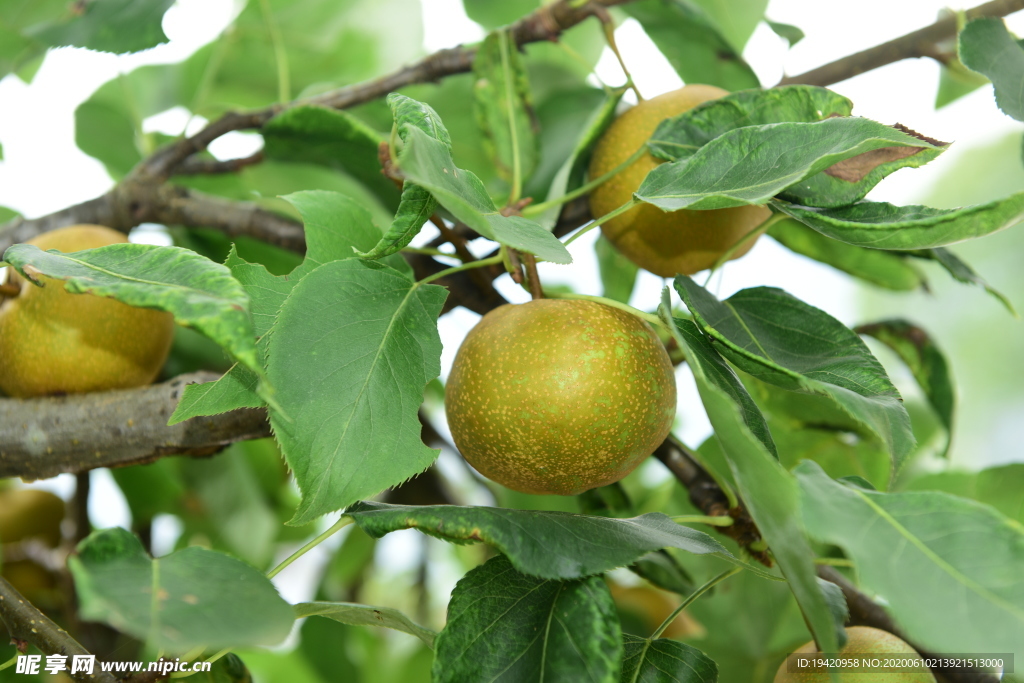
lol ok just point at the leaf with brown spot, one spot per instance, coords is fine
(206, 598)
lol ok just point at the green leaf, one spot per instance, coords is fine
(722, 377)
(354, 346)
(571, 173)
(409, 113)
(682, 136)
(199, 293)
(663, 570)
(18, 48)
(190, 598)
(506, 627)
(664, 661)
(751, 165)
(110, 26)
(813, 427)
(880, 225)
(783, 341)
(788, 32)
(335, 226)
(7, 214)
(504, 107)
(693, 43)
(882, 268)
(563, 118)
(836, 603)
(417, 204)
(325, 45)
(226, 504)
(1001, 487)
(926, 362)
(737, 18)
(961, 272)
(428, 163)
(236, 389)
(769, 491)
(331, 138)
(987, 47)
(955, 81)
(491, 14)
(551, 545)
(922, 545)
(365, 615)
(618, 273)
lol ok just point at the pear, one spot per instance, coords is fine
(53, 342)
(559, 396)
(665, 243)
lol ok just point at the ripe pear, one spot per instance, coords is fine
(863, 640)
(55, 342)
(30, 514)
(665, 243)
(559, 396)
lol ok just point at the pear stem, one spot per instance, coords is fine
(9, 291)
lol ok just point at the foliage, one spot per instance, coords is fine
(815, 457)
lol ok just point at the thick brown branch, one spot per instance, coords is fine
(100, 211)
(43, 437)
(866, 612)
(920, 43)
(27, 624)
(134, 202)
(178, 206)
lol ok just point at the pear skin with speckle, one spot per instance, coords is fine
(869, 643)
(54, 342)
(664, 242)
(559, 396)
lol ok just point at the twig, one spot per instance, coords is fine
(514, 266)
(866, 612)
(196, 166)
(546, 23)
(80, 508)
(27, 624)
(920, 43)
(708, 497)
(43, 437)
(533, 277)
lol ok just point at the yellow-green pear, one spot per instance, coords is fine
(53, 342)
(559, 396)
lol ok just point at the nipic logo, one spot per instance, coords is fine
(32, 664)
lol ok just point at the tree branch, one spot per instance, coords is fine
(546, 23)
(43, 437)
(132, 203)
(197, 166)
(26, 624)
(866, 612)
(920, 43)
(708, 497)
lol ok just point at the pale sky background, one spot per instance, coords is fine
(43, 170)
